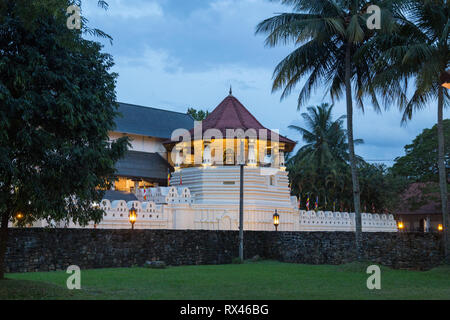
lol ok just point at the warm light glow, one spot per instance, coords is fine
(401, 225)
(132, 215)
(276, 219)
(440, 227)
(19, 216)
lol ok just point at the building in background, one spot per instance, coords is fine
(419, 208)
(204, 189)
(146, 163)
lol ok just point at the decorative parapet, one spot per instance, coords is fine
(209, 218)
(174, 208)
(170, 195)
(344, 221)
(149, 214)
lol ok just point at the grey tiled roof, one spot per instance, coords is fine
(113, 195)
(150, 122)
(143, 165)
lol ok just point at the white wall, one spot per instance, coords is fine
(142, 143)
(220, 186)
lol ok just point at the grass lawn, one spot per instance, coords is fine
(258, 280)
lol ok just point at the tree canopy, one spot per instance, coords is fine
(197, 115)
(57, 98)
(420, 162)
(320, 168)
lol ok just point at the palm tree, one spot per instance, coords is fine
(322, 163)
(325, 139)
(329, 35)
(419, 50)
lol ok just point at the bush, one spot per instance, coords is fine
(155, 264)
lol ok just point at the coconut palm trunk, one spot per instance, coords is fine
(351, 149)
(442, 173)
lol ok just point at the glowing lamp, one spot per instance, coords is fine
(132, 216)
(276, 220)
(19, 216)
(440, 227)
(400, 225)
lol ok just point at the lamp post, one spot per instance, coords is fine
(276, 220)
(132, 216)
(241, 201)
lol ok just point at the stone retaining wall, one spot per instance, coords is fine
(55, 249)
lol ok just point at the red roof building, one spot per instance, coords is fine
(420, 206)
(231, 114)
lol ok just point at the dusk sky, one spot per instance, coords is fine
(174, 54)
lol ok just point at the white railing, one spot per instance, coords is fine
(175, 208)
(344, 221)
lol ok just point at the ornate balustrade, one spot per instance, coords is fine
(175, 208)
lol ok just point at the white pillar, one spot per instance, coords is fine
(207, 155)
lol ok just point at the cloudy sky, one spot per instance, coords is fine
(176, 54)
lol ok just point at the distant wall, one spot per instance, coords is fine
(56, 249)
(398, 250)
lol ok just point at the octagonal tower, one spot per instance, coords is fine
(207, 158)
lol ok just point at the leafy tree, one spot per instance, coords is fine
(419, 49)
(57, 100)
(198, 115)
(320, 167)
(420, 162)
(330, 35)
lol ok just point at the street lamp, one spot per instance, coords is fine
(132, 216)
(19, 216)
(400, 225)
(440, 227)
(241, 199)
(276, 220)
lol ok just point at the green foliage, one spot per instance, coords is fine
(418, 48)
(321, 30)
(320, 168)
(198, 115)
(420, 162)
(57, 100)
(236, 260)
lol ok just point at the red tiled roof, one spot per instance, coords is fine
(231, 114)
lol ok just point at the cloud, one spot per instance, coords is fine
(200, 48)
(127, 10)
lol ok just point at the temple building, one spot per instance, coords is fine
(208, 162)
(203, 191)
(146, 163)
